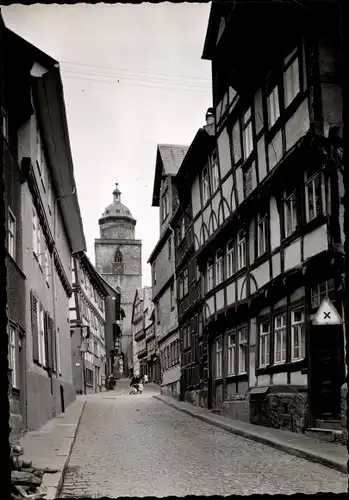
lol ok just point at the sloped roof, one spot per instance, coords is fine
(172, 157)
(169, 158)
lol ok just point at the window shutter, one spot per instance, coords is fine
(47, 340)
(53, 337)
(35, 328)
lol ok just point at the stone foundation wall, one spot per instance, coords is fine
(172, 390)
(197, 397)
(344, 392)
(237, 407)
(287, 411)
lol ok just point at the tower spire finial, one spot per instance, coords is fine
(116, 192)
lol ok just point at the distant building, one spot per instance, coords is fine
(119, 261)
(193, 341)
(141, 321)
(88, 326)
(44, 230)
(162, 261)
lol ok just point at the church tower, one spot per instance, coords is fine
(119, 260)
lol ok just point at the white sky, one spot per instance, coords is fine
(133, 77)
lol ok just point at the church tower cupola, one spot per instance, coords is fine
(117, 194)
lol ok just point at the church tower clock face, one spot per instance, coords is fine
(119, 260)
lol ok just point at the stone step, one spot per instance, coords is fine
(329, 424)
(329, 435)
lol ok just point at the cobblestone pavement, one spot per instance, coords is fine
(135, 445)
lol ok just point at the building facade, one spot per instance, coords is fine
(193, 338)
(268, 216)
(45, 222)
(141, 321)
(88, 326)
(162, 261)
(119, 261)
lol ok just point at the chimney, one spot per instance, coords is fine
(209, 116)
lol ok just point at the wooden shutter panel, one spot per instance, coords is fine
(35, 328)
(46, 339)
(49, 343)
(54, 346)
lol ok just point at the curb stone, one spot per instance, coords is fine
(274, 442)
(54, 482)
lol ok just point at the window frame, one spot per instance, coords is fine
(12, 356)
(262, 230)
(219, 358)
(229, 257)
(219, 267)
(302, 334)
(205, 186)
(273, 105)
(11, 233)
(242, 344)
(310, 179)
(209, 275)
(232, 353)
(266, 336)
(169, 248)
(241, 243)
(276, 331)
(247, 133)
(290, 207)
(172, 298)
(215, 180)
(288, 62)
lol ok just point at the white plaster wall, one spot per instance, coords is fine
(293, 255)
(315, 242)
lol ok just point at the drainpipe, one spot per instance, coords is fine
(58, 198)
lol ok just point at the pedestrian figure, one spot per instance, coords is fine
(136, 380)
(145, 378)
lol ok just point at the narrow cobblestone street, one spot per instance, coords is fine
(136, 445)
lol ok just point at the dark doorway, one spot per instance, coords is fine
(62, 398)
(326, 371)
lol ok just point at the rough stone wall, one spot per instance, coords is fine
(173, 390)
(286, 411)
(118, 230)
(197, 397)
(237, 407)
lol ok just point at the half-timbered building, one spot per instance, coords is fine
(162, 261)
(267, 214)
(193, 342)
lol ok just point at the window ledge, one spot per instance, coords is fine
(288, 367)
(240, 377)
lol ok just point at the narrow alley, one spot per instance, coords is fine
(138, 446)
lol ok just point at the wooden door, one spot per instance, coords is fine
(326, 371)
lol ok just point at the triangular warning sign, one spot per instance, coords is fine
(327, 314)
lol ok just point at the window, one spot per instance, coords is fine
(4, 123)
(273, 106)
(12, 357)
(290, 213)
(280, 338)
(262, 234)
(169, 248)
(35, 230)
(154, 274)
(11, 234)
(314, 196)
(219, 355)
(241, 249)
(291, 81)
(185, 282)
(118, 256)
(209, 276)
(319, 292)
(229, 257)
(297, 334)
(165, 206)
(158, 313)
(172, 299)
(182, 228)
(219, 267)
(242, 334)
(231, 353)
(42, 353)
(215, 174)
(38, 244)
(247, 135)
(46, 266)
(205, 186)
(264, 339)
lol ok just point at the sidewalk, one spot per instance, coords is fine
(314, 450)
(51, 445)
